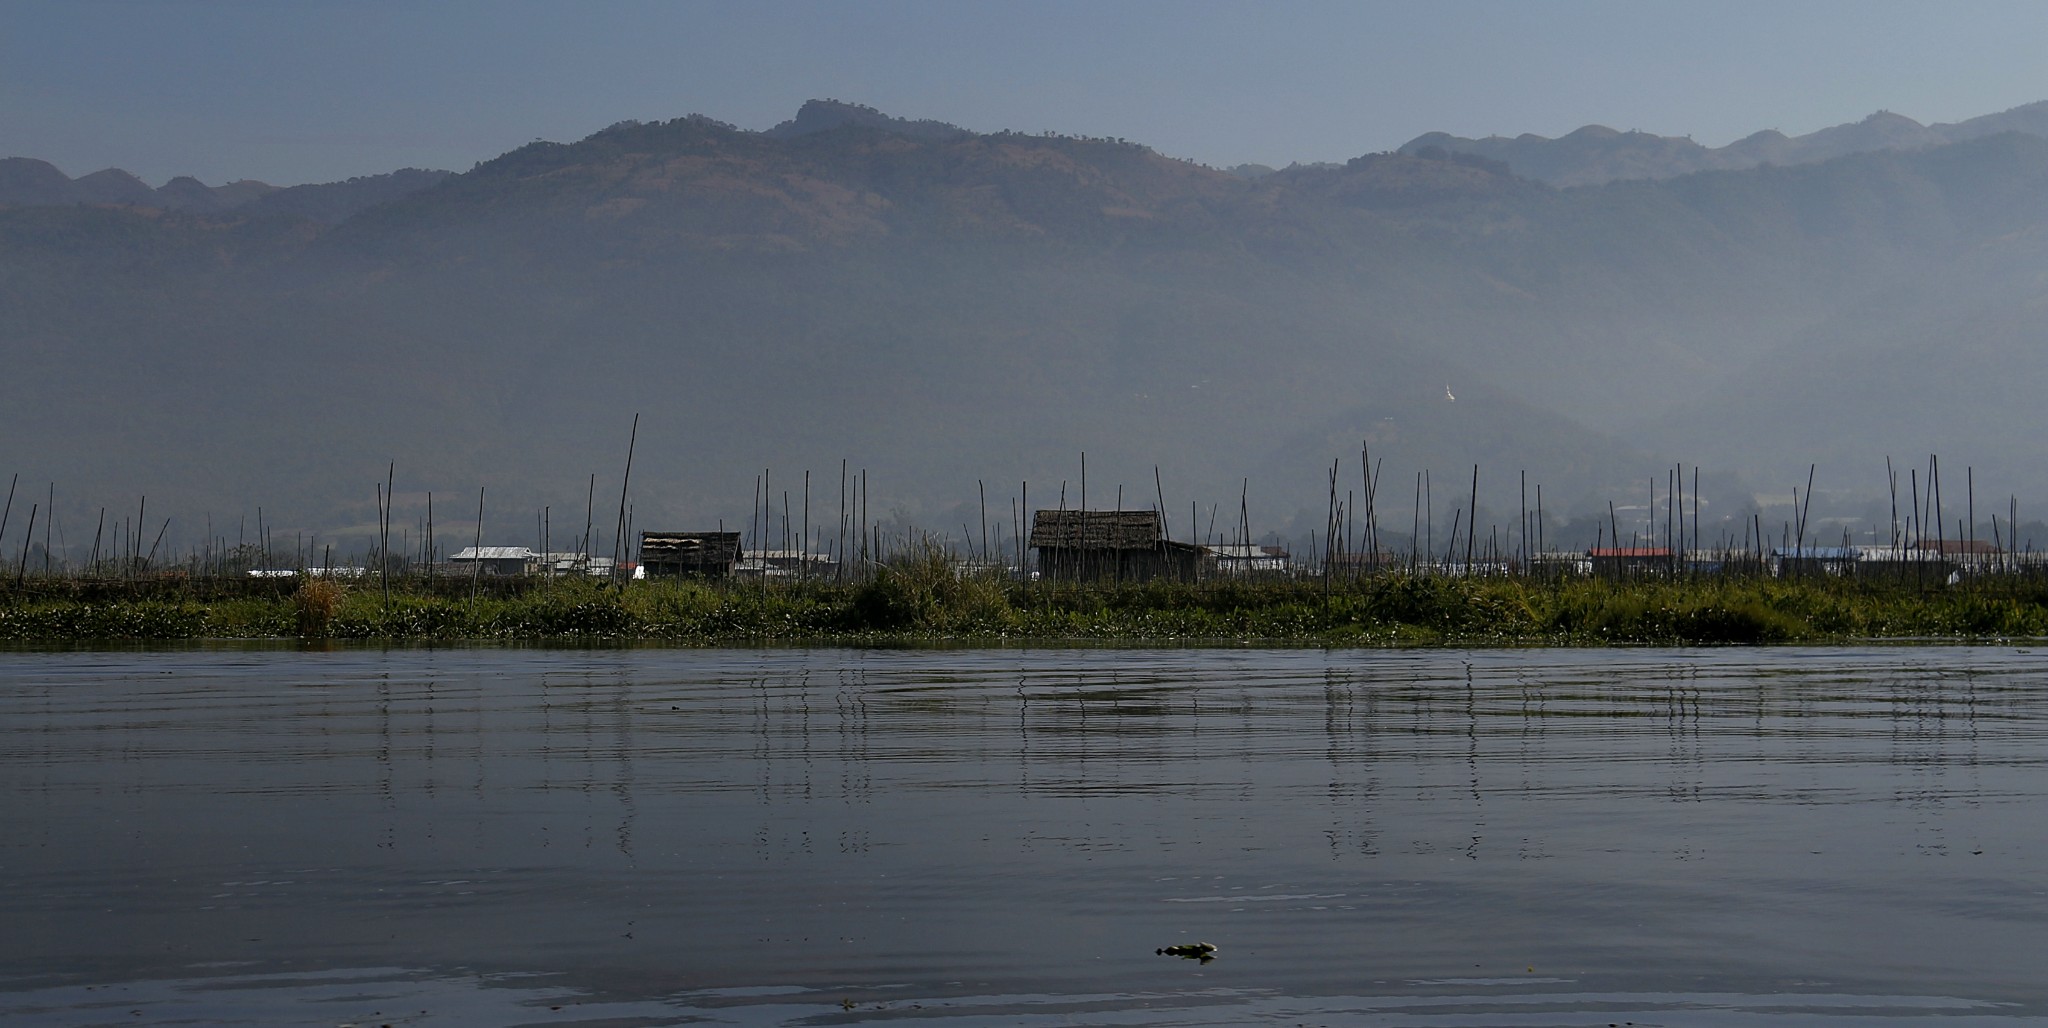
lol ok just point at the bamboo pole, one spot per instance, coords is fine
(1472, 520)
(146, 561)
(626, 481)
(476, 563)
(21, 572)
(9, 510)
(1415, 526)
(1892, 481)
(1159, 493)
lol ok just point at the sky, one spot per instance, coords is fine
(310, 91)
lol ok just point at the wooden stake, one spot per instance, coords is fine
(9, 510)
(618, 536)
(476, 563)
(26, 537)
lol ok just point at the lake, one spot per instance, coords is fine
(499, 836)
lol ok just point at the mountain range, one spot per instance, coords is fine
(27, 182)
(1596, 154)
(959, 313)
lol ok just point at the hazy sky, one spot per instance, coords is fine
(294, 90)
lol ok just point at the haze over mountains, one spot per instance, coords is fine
(27, 182)
(1596, 154)
(943, 307)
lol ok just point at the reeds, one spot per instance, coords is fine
(314, 604)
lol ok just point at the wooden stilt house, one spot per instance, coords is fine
(1109, 546)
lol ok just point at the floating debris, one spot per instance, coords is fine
(1202, 951)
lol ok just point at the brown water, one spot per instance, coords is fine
(642, 837)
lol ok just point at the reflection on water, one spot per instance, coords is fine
(380, 996)
(649, 837)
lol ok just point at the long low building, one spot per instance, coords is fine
(494, 560)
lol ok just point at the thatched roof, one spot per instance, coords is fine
(1096, 530)
(689, 547)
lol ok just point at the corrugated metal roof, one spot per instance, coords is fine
(1959, 546)
(493, 553)
(1628, 551)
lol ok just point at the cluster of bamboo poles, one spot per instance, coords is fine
(1353, 541)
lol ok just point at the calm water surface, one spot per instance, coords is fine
(652, 837)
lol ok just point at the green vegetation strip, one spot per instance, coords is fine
(927, 602)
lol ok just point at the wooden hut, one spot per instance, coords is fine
(695, 554)
(1109, 545)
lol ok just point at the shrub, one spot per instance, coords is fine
(315, 603)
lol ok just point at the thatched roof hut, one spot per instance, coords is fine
(1096, 529)
(1118, 545)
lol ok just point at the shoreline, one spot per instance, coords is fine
(914, 608)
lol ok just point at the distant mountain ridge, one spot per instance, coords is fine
(825, 115)
(943, 307)
(28, 182)
(1597, 154)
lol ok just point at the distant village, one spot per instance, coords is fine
(1131, 546)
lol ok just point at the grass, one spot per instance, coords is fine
(922, 599)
